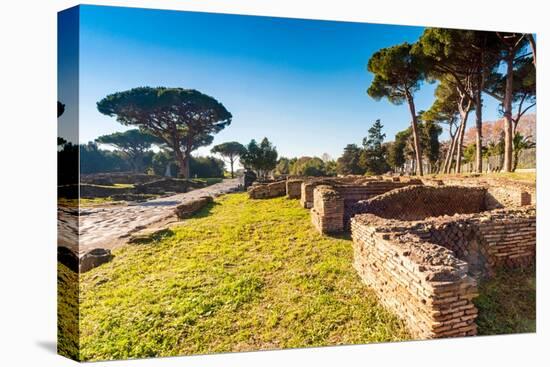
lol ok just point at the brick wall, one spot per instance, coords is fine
(488, 241)
(294, 188)
(306, 194)
(419, 202)
(423, 283)
(501, 197)
(426, 270)
(334, 215)
(327, 214)
(268, 190)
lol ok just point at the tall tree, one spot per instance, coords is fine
(134, 143)
(523, 95)
(466, 56)
(261, 158)
(430, 132)
(511, 45)
(451, 103)
(176, 115)
(373, 157)
(231, 150)
(398, 74)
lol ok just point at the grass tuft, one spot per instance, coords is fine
(507, 303)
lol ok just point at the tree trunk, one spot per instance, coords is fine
(479, 122)
(460, 140)
(231, 161)
(416, 138)
(450, 154)
(507, 106)
(183, 162)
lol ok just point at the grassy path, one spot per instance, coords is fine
(242, 275)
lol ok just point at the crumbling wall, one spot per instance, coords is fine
(327, 214)
(419, 202)
(502, 197)
(422, 282)
(336, 216)
(487, 241)
(306, 194)
(267, 190)
(294, 188)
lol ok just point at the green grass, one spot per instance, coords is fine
(122, 186)
(67, 312)
(516, 176)
(247, 275)
(507, 303)
(242, 275)
(209, 180)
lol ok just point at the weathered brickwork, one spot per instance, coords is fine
(502, 197)
(294, 188)
(423, 283)
(306, 195)
(419, 202)
(327, 214)
(424, 267)
(267, 190)
(336, 216)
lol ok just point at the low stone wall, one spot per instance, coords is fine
(186, 210)
(327, 214)
(488, 241)
(337, 216)
(423, 283)
(505, 192)
(306, 191)
(111, 178)
(294, 188)
(168, 185)
(419, 202)
(266, 191)
(96, 191)
(501, 197)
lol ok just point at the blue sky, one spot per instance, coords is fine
(301, 83)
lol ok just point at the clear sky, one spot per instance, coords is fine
(301, 83)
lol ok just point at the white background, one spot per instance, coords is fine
(28, 182)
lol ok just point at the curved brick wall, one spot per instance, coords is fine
(419, 202)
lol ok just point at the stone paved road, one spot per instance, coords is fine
(106, 227)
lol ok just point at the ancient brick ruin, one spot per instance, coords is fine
(422, 245)
(267, 190)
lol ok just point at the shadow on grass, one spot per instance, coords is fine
(507, 303)
(152, 237)
(340, 236)
(205, 211)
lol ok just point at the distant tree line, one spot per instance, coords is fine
(93, 159)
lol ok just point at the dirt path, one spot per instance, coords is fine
(108, 227)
